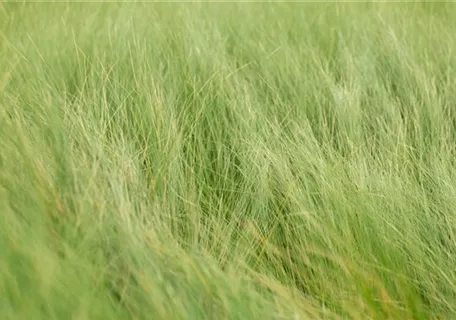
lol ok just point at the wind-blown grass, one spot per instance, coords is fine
(227, 161)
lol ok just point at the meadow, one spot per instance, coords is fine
(227, 160)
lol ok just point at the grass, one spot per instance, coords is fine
(227, 161)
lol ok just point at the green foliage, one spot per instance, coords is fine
(227, 161)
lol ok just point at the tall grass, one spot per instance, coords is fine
(227, 161)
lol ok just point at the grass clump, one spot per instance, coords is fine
(227, 161)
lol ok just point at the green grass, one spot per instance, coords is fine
(227, 161)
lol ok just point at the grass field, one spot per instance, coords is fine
(227, 161)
